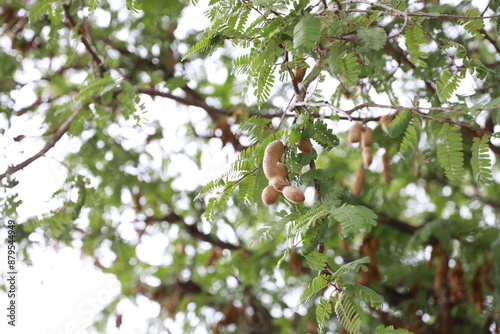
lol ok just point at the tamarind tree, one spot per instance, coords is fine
(399, 229)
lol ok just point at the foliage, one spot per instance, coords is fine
(415, 38)
(399, 124)
(148, 100)
(480, 161)
(409, 145)
(450, 152)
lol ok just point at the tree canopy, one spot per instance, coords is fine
(399, 230)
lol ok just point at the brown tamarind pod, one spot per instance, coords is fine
(272, 155)
(359, 182)
(354, 135)
(366, 137)
(367, 156)
(278, 183)
(386, 172)
(385, 121)
(270, 195)
(305, 145)
(282, 170)
(293, 194)
(299, 75)
(170, 61)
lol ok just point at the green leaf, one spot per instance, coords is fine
(372, 38)
(409, 145)
(480, 161)
(365, 293)
(274, 28)
(353, 219)
(317, 284)
(415, 38)
(323, 312)
(355, 266)
(348, 314)
(204, 45)
(39, 8)
(314, 235)
(271, 230)
(324, 136)
(475, 26)
(317, 261)
(399, 124)
(264, 84)
(242, 64)
(306, 33)
(345, 66)
(97, 88)
(450, 154)
(448, 83)
(311, 216)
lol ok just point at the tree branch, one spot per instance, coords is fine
(50, 143)
(190, 102)
(414, 109)
(401, 58)
(397, 224)
(194, 99)
(393, 11)
(88, 46)
(174, 218)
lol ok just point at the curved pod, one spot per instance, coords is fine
(272, 155)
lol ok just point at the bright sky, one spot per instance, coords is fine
(62, 293)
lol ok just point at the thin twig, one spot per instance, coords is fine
(212, 111)
(50, 143)
(319, 105)
(400, 13)
(413, 109)
(400, 32)
(316, 70)
(486, 8)
(93, 55)
(174, 218)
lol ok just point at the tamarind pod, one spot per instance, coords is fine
(354, 135)
(272, 155)
(360, 181)
(305, 145)
(282, 170)
(386, 172)
(278, 183)
(170, 61)
(366, 137)
(299, 75)
(367, 156)
(270, 195)
(293, 194)
(385, 121)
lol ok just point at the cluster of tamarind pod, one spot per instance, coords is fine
(277, 173)
(364, 134)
